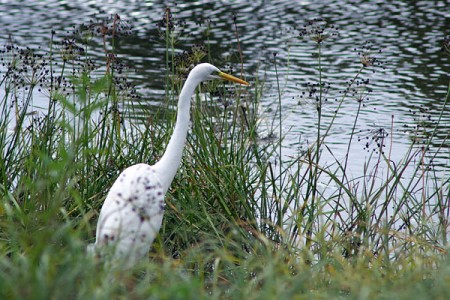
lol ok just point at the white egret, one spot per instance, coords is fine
(132, 213)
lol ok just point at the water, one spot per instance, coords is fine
(415, 76)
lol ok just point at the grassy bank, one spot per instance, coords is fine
(237, 224)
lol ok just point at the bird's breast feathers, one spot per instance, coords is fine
(133, 208)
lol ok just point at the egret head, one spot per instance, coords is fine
(207, 71)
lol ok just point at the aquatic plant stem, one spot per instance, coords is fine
(314, 175)
(279, 210)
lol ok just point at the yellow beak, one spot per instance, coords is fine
(232, 78)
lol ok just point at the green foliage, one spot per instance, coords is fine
(237, 224)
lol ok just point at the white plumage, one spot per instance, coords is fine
(131, 217)
(132, 213)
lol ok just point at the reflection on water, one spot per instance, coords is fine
(408, 91)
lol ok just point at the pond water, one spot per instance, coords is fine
(408, 90)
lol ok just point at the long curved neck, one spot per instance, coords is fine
(167, 167)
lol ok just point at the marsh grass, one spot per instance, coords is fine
(237, 224)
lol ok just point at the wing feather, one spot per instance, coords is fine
(132, 214)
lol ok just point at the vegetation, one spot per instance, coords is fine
(237, 224)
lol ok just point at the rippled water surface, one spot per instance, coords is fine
(409, 89)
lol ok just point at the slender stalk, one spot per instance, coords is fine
(314, 176)
(280, 154)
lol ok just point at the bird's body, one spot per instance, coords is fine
(133, 209)
(131, 217)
